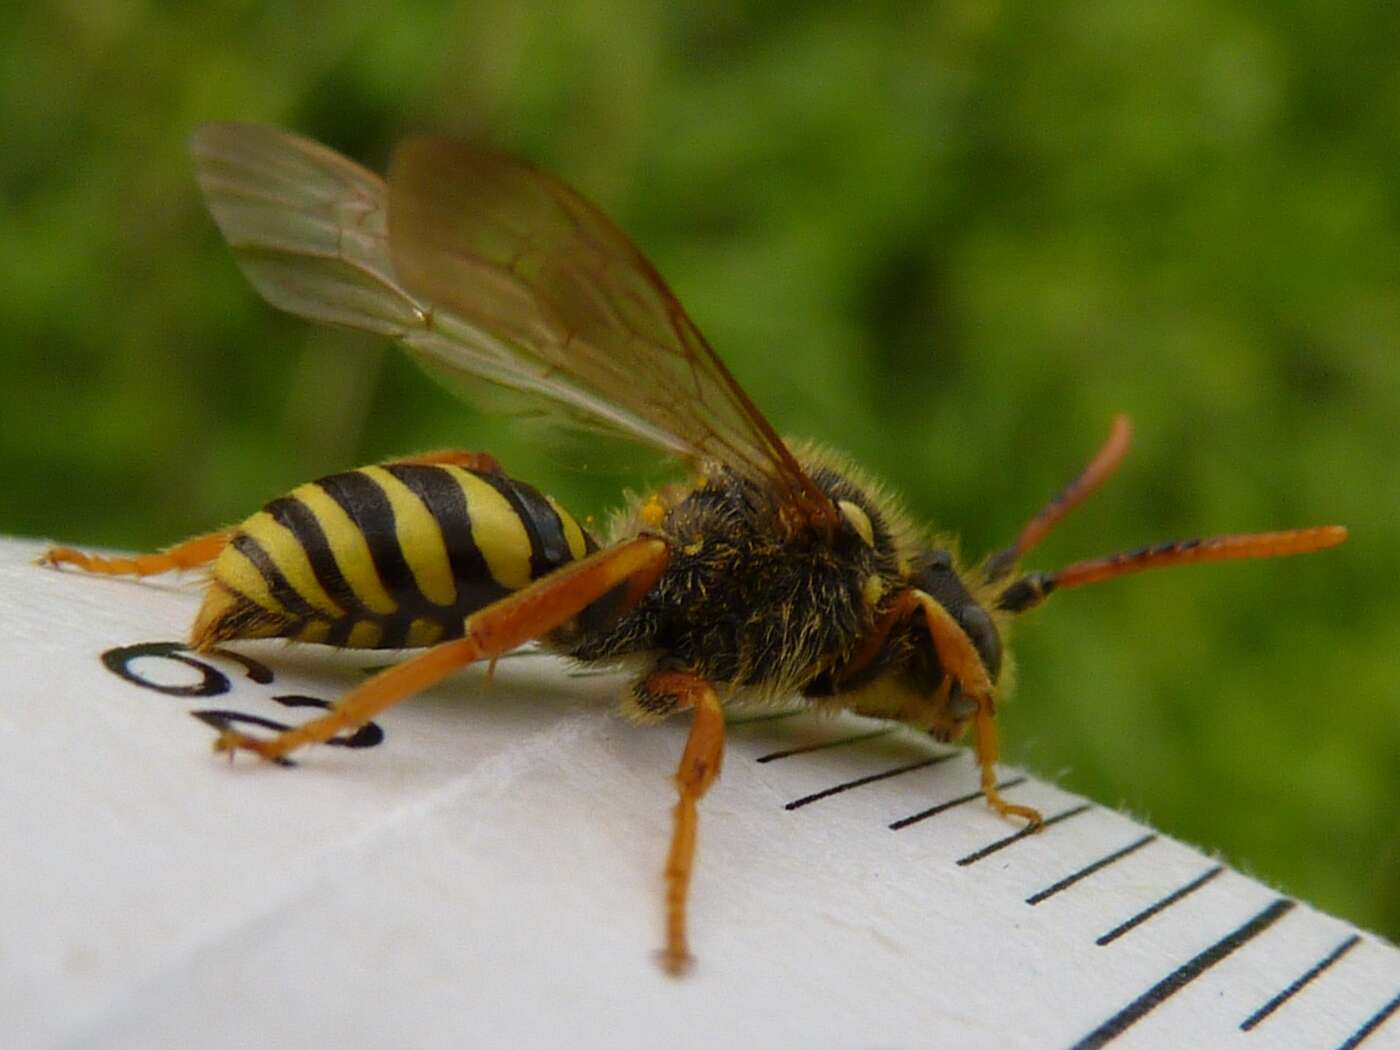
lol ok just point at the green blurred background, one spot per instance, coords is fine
(952, 239)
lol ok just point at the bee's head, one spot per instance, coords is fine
(944, 708)
(904, 678)
(935, 576)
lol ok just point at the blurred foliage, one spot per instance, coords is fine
(951, 239)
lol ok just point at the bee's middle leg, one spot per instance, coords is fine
(699, 765)
(481, 462)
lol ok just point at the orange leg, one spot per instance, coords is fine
(704, 751)
(958, 657)
(482, 462)
(871, 645)
(188, 555)
(528, 613)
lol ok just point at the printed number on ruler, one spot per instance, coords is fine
(125, 661)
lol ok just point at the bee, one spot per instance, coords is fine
(774, 572)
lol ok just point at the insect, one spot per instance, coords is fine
(773, 572)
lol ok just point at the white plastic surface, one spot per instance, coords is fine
(489, 875)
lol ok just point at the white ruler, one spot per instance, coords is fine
(486, 872)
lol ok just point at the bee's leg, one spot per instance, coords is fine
(958, 657)
(188, 555)
(481, 462)
(526, 614)
(704, 750)
(875, 640)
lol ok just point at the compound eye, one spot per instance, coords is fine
(858, 520)
(983, 635)
(939, 560)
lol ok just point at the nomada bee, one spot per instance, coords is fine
(776, 572)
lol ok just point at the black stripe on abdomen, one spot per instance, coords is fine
(447, 503)
(548, 547)
(285, 594)
(369, 511)
(296, 517)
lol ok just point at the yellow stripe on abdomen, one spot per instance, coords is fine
(420, 539)
(573, 534)
(238, 574)
(422, 633)
(287, 553)
(364, 635)
(497, 530)
(348, 546)
(314, 631)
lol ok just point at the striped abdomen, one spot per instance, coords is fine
(384, 557)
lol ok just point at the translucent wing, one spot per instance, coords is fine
(309, 227)
(485, 267)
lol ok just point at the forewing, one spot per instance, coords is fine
(508, 253)
(308, 226)
(485, 269)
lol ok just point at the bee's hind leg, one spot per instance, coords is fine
(526, 614)
(200, 550)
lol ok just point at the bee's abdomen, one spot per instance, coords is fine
(384, 557)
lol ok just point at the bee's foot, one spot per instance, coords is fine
(56, 556)
(233, 741)
(676, 963)
(1031, 816)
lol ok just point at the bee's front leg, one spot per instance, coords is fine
(958, 658)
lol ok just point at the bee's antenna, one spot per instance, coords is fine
(1099, 470)
(1032, 589)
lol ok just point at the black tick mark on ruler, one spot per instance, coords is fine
(1182, 976)
(1376, 1020)
(1001, 844)
(1089, 869)
(1301, 983)
(871, 779)
(748, 720)
(943, 807)
(1166, 902)
(825, 745)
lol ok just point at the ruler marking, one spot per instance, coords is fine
(1001, 844)
(824, 745)
(775, 716)
(1302, 982)
(1377, 1019)
(933, 811)
(1184, 975)
(1089, 869)
(1166, 902)
(872, 778)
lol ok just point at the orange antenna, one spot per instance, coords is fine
(1030, 590)
(1099, 470)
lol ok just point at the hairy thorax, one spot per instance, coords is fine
(744, 604)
